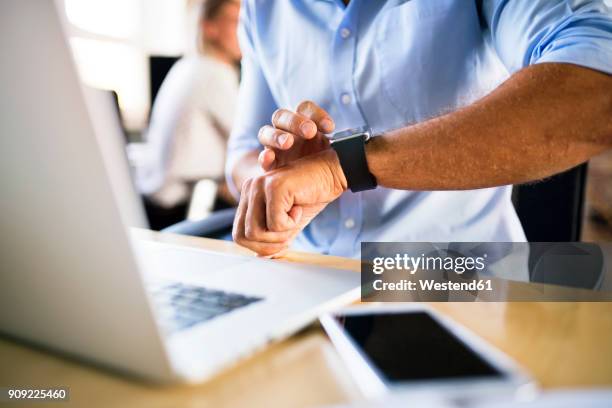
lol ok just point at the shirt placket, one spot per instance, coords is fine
(345, 95)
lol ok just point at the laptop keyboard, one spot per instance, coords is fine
(180, 306)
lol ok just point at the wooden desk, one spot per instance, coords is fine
(560, 344)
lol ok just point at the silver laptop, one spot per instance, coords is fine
(72, 280)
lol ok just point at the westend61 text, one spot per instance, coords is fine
(431, 284)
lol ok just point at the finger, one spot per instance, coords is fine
(318, 115)
(255, 209)
(261, 248)
(265, 249)
(271, 137)
(294, 123)
(267, 159)
(255, 228)
(276, 255)
(238, 227)
(277, 210)
(296, 213)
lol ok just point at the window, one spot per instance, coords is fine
(112, 39)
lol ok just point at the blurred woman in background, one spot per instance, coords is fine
(191, 120)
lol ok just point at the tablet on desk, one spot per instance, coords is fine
(411, 348)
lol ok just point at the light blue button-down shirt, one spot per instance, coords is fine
(386, 64)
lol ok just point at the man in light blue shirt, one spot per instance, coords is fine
(466, 98)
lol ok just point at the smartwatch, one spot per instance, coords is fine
(350, 146)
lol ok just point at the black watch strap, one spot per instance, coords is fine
(351, 153)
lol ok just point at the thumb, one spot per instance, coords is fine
(296, 213)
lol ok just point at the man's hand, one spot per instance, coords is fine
(303, 176)
(276, 206)
(294, 135)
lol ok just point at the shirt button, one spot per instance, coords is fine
(345, 98)
(349, 223)
(345, 33)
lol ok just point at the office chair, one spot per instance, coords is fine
(551, 212)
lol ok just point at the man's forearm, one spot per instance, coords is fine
(543, 120)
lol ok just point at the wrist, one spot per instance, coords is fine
(335, 168)
(372, 154)
(349, 146)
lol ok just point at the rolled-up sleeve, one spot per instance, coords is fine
(255, 102)
(569, 31)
